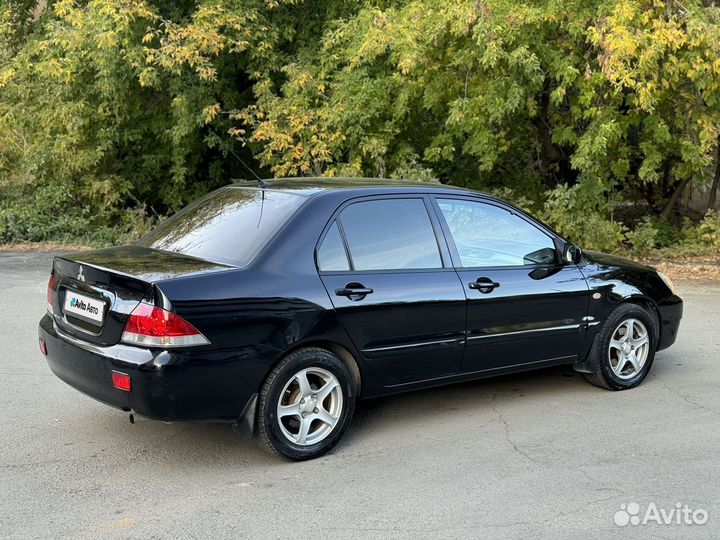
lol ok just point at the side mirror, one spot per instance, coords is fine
(572, 254)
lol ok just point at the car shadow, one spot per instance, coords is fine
(200, 443)
(195, 443)
(377, 415)
(415, 409)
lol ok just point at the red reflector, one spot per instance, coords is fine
(121, 381)
(43, 347)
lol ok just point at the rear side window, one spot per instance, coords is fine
(392, 234)
(229, 226)
(331, 255)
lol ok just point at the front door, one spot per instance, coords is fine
(525, 308)
(382, 262)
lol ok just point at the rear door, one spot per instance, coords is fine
(524, 306)
(386, 268)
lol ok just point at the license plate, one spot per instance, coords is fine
(84, 307)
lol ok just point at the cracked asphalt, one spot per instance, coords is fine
(543, 455)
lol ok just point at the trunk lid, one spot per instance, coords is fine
(96, 291)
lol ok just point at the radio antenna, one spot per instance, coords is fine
(261, 182)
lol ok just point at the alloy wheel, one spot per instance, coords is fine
(310, 406)
(629, 348)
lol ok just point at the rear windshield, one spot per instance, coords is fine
(229, 226)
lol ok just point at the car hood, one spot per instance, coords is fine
(613, 260)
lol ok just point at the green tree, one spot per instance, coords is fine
(108, 105)
(113, 111)
(612, 97)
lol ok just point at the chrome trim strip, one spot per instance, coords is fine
(124, 353)
(80, 328)
(531, 331)
(90, 347)
(141, 340)
(509, 366)
(413, 345)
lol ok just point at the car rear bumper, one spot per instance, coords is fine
(166, 385)
(671, 312)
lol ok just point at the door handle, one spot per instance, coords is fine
(353, 289)
(484, 285)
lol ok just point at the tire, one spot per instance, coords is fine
(613, 358)
(313, 387)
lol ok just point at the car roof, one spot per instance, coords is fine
(315, 186)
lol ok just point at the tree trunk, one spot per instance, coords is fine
(550, 151)
(554, 159)
(667, 211)
(714, 187)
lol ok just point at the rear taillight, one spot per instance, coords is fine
(51, 286)
(155, 327)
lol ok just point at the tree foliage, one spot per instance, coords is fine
(572, 106)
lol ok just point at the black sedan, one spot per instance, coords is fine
(277, 306)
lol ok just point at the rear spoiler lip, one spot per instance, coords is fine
(98, 267)
(151, 278)
(154, 295)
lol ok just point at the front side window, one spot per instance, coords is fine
(487, 235)
(391, 234)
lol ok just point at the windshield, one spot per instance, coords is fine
(230, 225)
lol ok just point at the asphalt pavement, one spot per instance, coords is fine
(538, 455)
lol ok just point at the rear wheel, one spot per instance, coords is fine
(305, 404)
(625, 348)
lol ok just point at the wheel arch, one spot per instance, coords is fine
(337, 349)
(647, 304)
(587, 363)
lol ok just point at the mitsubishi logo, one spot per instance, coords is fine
(80, 276)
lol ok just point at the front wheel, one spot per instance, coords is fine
(624, 349)
(305, 404)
